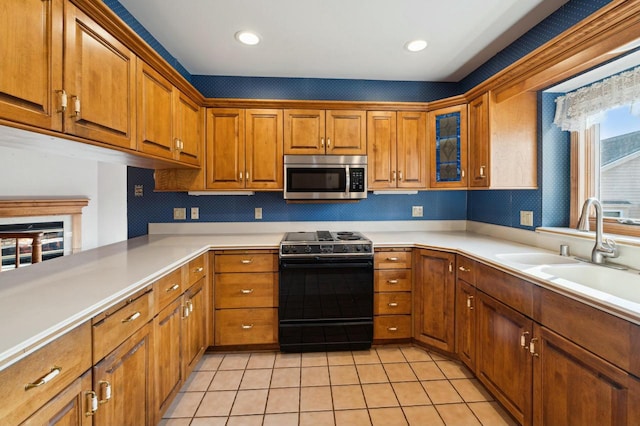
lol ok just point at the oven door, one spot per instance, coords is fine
(325, 304)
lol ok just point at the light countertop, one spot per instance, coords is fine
(40, 302)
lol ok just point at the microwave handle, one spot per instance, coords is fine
(348, 180)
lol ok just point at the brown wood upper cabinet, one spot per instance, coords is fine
(448, 147)
(169, 123)
(88, 92)
(503, 141)
(397, 150)
(244, 149)
(337, 132)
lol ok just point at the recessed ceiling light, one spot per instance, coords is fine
(248, 38)
(415, 45)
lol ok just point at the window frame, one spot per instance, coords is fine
(585, 148)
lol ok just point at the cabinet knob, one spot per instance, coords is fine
(173, 288)
(392, 281)
(92, 403)
(463, 269)
(482, 171)
(400, 176)
(76, 107)
(523, 339)
(322, 142)
(246, 261)
(532, 346)
(247, 326)
(328, 142)
(470, 302)
(392, 259)
(246, 291)
(105, 391)
(392, 328)
(63, 100)
(200, 269)
(393, 304)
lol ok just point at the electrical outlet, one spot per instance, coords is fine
(258, 213)
(195, 213)
(417, 211)
(138, 191)
(179, 213)
(526, 218)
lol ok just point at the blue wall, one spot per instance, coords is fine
(549, 203)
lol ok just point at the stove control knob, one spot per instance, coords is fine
(307, 249)
(285, 249)
(358, 248)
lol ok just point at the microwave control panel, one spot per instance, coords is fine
(357, 180)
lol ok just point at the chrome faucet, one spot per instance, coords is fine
(602, 249)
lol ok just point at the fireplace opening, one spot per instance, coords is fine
(52, 243)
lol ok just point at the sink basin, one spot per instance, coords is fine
(622, 284)
(536, 258)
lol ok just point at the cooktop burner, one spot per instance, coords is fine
(325, 243)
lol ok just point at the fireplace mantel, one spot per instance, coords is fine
(50, 206)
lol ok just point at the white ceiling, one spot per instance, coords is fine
(351, 39)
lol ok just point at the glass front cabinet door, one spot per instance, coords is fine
(448, 147)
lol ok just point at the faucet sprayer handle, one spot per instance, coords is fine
(612, 247)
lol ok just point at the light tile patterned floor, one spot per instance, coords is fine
(387, 386)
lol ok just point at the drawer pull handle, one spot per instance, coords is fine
(246, 261)
(246, 291)
(190, 303)
(463, 269)
(470, 302)
(44, 379)
(247, 327)
(393, 304)
(173, 288)
(92, 403)
(392, 328)
(392, 259)
(392, 281)
(200, 269)
(523, 340)
(105, 391)
(133, 317)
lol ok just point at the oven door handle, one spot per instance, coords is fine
(329, 264)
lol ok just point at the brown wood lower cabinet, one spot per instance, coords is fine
(68, 408)
(194, 325)
(466, 323)
(246, 326)
(167, 326)
(574, 387)
(392, 294)
(503, 363)
(123, 382)
(435, 299)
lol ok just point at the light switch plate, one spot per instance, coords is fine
(526, 218)
(195, 213)
(417, 211)
(179, 213)
(258, 213)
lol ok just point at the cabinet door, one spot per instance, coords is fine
(169, 377)
(435, 299)
(31, 48)
(304, 131)
(503, 364)
(127, 371)
(225, 149)
(574, 387)
(479, 142)
(346, 133)
(188, 124)
(466, 323)
(68, 408)
(194, 325)
(381, 149)
(448, 147)
(412, 150)
(264, 149)
(100, 80)
(155, 112)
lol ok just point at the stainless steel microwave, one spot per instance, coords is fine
(325, 177)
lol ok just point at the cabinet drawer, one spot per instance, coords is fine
(113, 327)
(55, 366)
(510, 290)
(392, 327)
(246, 290)
(196, 269)
(392, 280)
(246, 326)
(466, 269)
(391, 303)
(392, 260)
(168, 288)
(249, 262)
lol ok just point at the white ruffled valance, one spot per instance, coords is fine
(582, 108)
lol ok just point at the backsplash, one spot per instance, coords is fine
(157, 207)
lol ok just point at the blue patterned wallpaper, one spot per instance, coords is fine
(549, 203)
(157, 207)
